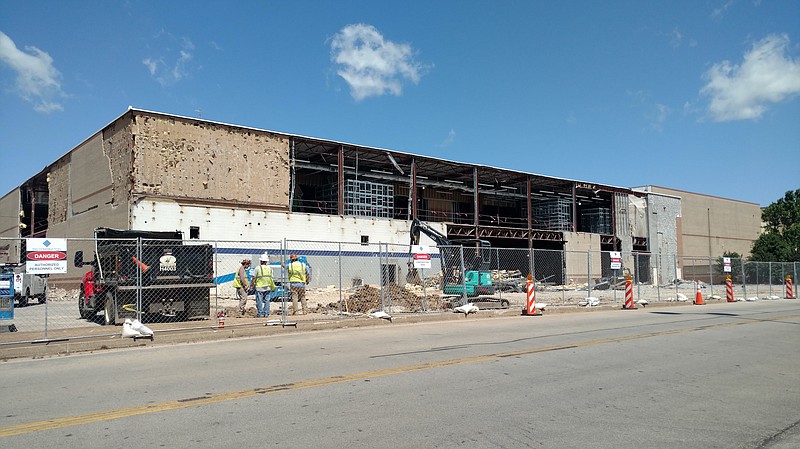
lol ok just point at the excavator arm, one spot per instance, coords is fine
(418, 227)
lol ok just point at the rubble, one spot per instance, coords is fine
(60, 294)
(509, 281)
(367, 299)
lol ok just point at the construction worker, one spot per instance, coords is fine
(263, 284)
(299, 276)
(239, 283)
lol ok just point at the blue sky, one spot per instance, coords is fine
(701, 95)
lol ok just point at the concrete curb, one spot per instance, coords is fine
(69, 341)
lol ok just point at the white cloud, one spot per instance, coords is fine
(168, 73)
(451, 137)
(371, 65)
(717, 13)
(658, 116)
(675, 38)
(152, 66)
(38, 81)
(742, 92)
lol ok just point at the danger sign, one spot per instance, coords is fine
(46, 256)
(616, 260)
(421, 256)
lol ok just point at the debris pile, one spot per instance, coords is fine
(611, 282)
(509, 280)
(366, 299)
(60, 294)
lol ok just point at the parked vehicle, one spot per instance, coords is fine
(26, 286)
(150, 275)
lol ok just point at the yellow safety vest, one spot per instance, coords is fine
(264, 277)
(237, 281)
(297, 272)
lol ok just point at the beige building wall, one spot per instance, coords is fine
(579, 247)
(710, 226)
(90, 187)
(207, 162)
(144, 155)
(9, 227)
(9, 214)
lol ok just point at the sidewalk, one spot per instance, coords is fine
(81, 340)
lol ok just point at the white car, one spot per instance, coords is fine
(26, 286)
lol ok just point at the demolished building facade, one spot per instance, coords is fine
(215, 181)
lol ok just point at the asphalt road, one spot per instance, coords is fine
(715, 376)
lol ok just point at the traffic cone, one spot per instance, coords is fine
(141, 264)
(628, 304)
(530, 305)
(698, 297)
(789, 287)
(729, 289)
(221, 320)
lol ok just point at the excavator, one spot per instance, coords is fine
(477, 278)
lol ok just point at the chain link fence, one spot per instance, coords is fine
(190, 284)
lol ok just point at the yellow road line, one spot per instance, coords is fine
(58, 423)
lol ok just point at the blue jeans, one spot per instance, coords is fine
(262, 303)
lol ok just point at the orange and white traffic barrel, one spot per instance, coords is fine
(789, 287)
(530, 304)
(628, 304)
(729, 289)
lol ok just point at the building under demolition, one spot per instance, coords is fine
(213, 181)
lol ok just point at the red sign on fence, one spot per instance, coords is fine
(47, 255)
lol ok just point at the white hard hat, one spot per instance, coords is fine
(265, 256)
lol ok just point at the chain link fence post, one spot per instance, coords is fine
(215, 248)
(564, 275)
(769, 277)
(341, 284)
(139, 282)
(381, 280)
(659, 275)
(286, 289)
(463, 277)
(588, 273)
(710, 275)
(744, 278)
(388, 279)
(637, 264)
(676, 280)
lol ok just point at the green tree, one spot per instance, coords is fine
(783, 213)
(781, 240)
